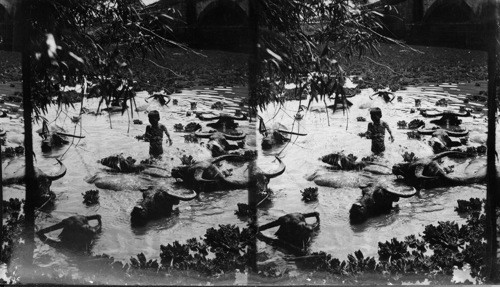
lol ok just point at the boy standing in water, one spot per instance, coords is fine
(154, 134)
(376, 131)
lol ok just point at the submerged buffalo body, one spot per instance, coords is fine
(15, 173)
(205, 175)
(376, 199)
(54, 137)
(218, 142)
(428, 173)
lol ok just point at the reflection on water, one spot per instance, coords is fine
(301, 156)
(107, 135)
(325, 134)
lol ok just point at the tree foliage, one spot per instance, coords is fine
(92, 43)
(301, 43)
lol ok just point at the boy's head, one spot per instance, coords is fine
(376, 114)
(154, 116)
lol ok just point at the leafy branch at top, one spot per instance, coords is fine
(302, 42)
(92, 43)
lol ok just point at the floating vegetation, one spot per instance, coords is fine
(414, 135)
(442, 103)
(409, 157)
(91, 197)
(12, 218)
(309, 194)
(178, 127)
(190, 138)
(244, 210)
(222, 250)
(415, 124)
(187, 160)
(473, 204)
(361, 119)
(402, 124)
(442, 248)
(217, 106)
(192, 127)
(142, 263)
(13, 151)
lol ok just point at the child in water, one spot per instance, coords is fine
(154, 134)
(376, 131)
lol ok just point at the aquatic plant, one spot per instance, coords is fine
(222, 250)
(178, 127)
(142, 263)
(409, 157)
(244, 210)
(465, 206)
(309, 194)
(441, 249)
(91, 197)
(190, 138)
(187, 160)
(402, 124)
(192, 127)
(414, 135)
(9, 152)
(12, 219)
(415, 124)
(217, 106)
(442, 103)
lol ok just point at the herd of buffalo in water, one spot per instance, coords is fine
(226, 143)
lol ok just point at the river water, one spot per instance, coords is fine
(107, 135)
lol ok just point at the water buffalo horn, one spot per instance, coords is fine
(70, 135)
(205, 118)
(291, 133)
(235, 137)
(403, 193)
(198, 177)
(237, 118)
(59, 174)
(227, 156)
(425, 114)
(202, 135)
(279, 172)
(424, 131)
(458, 134)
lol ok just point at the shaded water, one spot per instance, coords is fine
(337, 132)
(118, 239)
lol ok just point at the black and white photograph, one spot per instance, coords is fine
(249, 142)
